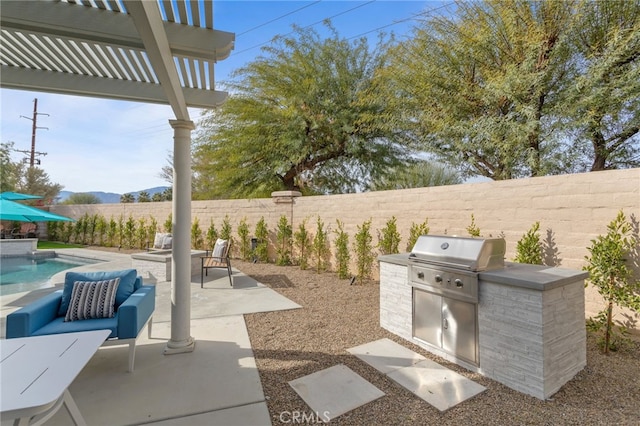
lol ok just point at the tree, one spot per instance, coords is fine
(417, 175)
(143, 197)
(602, 96)
(157, 197)
(127, 198)
(16, 176)
(474, 87)
(305, 116)
(82, 198)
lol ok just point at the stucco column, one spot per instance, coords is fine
(181, 340)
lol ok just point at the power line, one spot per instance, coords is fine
(278, 18)
(308, 26)
(427, 12)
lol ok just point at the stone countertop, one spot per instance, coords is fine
(535, 277)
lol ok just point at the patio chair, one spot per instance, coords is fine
(219, 259)
(71, 310)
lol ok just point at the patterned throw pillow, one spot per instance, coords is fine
(92, 299)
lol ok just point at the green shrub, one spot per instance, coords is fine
(129, 232)
(262, 246)
(343, 257)
(302, 242)
(152, 229)
(283, 238)
(473, 229)
(389, 237)
(529, 248)
(225, 229)
(245, 241)
(321, 249)
(197, 240)
(610, 272)
(212, 235)
(363, 248)
(168, 223)
(141, 234)
(416, 230)
(101, 230)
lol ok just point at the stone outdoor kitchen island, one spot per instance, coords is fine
(530, 324)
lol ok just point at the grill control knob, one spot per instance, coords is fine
(458, 283)
(438, 279)
(421, 275)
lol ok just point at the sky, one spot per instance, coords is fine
(96, 144)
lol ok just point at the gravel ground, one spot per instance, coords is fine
(337, 316)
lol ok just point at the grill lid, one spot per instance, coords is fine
(473, 254)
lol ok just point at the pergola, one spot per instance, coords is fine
(152, 51)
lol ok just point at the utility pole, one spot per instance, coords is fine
(34, 127)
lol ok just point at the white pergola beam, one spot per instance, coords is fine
(83, 85)
(147, 19)
(115, 29)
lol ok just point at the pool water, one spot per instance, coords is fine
(26, 273)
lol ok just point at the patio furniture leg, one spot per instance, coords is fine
(132, 354)
(73, 409)
(149, 327)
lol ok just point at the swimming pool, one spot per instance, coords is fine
(25, 273)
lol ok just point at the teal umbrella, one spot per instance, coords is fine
(14, 196)
(10, 210)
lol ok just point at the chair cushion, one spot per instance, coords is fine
(219, 248)
(125, 288)
(162, 241)
(92, 299)
(58, 326)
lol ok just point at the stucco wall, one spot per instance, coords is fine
(571, 209)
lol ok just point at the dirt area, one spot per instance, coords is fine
(337, 316)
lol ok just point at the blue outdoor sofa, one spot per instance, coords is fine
(134, 306)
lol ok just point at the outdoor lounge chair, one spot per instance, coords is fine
(218, 259)
(71, 310)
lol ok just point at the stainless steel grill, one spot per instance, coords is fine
(443, 271)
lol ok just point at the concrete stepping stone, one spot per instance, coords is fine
(334, 391)
(435, 384)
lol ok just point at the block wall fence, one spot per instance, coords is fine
(572, 210)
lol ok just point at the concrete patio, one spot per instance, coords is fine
(217, 384)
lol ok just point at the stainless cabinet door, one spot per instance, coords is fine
(427, 317)
(459, 333)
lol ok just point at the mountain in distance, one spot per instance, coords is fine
(112, 197)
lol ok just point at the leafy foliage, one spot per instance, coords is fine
(82, 198)
(419, 174)
(212, 235)
(473, 229)
(197, 239)
(262, 235)
(321, 249)
(416, 230)
(389, 237)
(302, 242)
(283, 247)
(529, 247)
(245, 242)
(363, 247)
(610, 272)
(304, 116)
(343, 257)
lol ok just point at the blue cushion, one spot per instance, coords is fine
(125, 289)
(58, 326)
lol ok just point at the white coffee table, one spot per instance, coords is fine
(37, 372)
